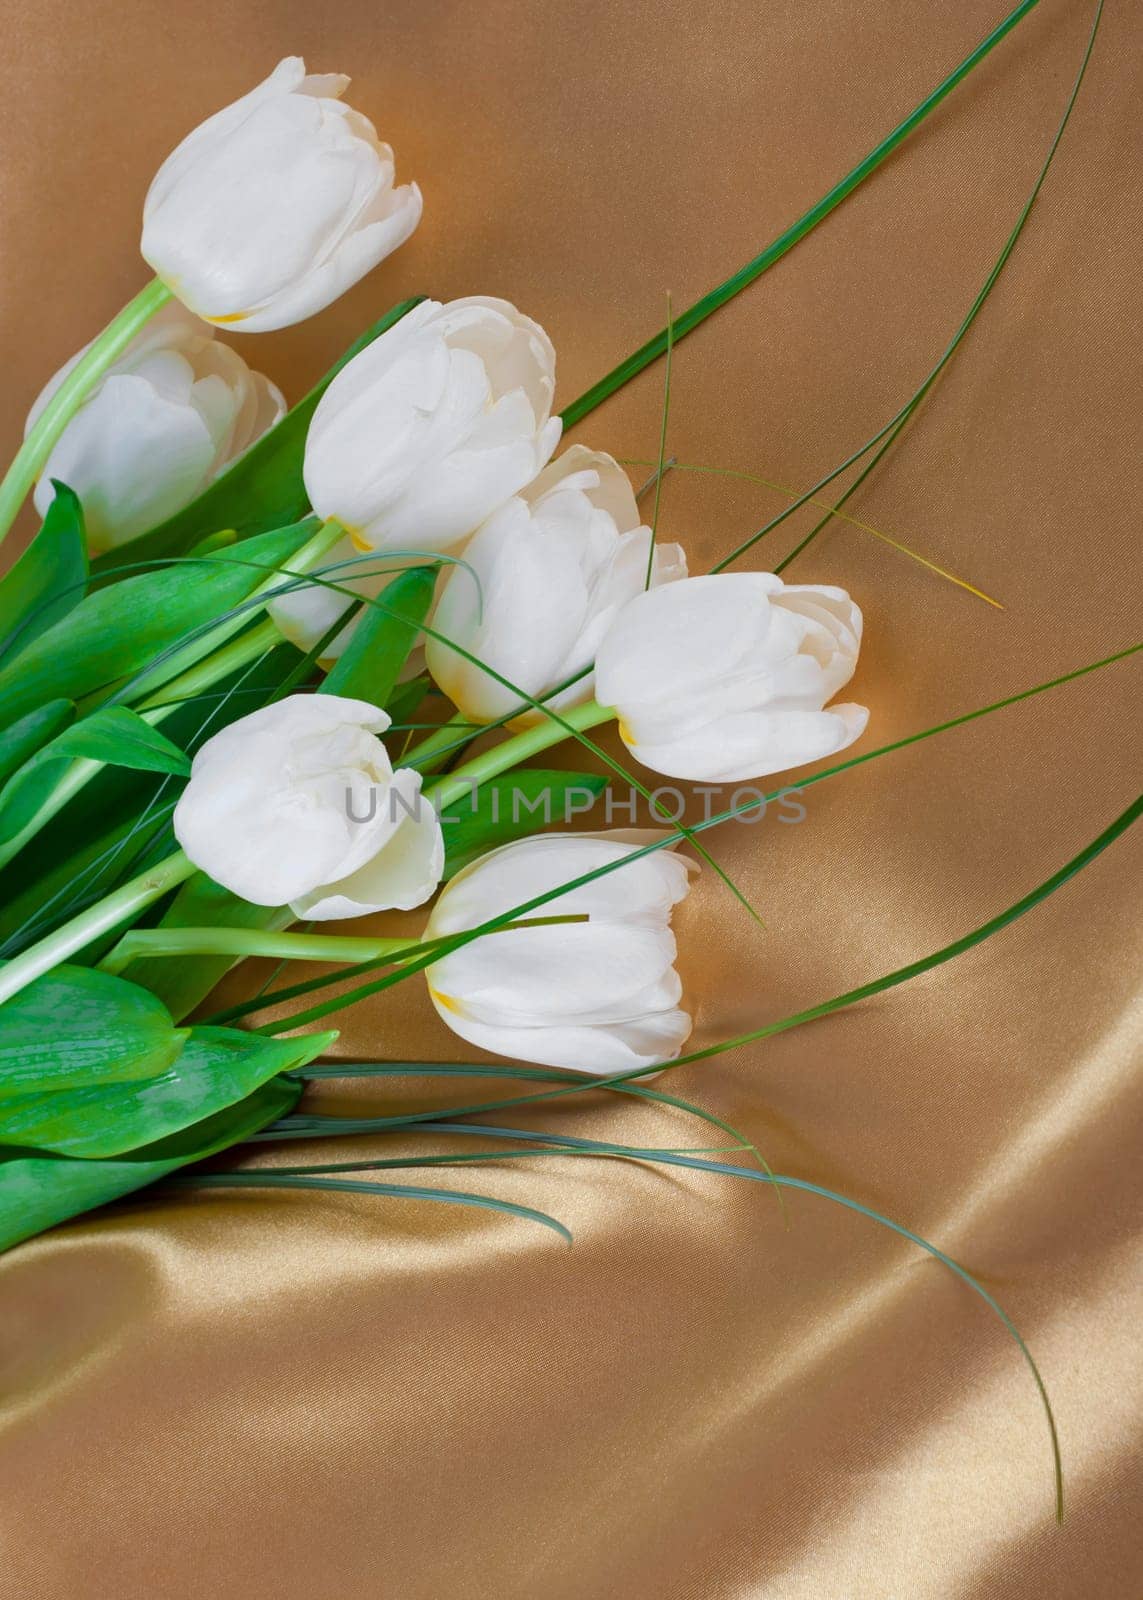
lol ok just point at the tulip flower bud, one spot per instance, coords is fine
(552, 568)
(599, 996)
(434, 425)
(276, 205)
(726, 677)
(173, 411)
(298, 804)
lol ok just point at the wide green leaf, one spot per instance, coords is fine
(121, 627)
(121, 738)
(201, 903)
(76, 1027)
(48, 580)
(39, 1190)
(22, 740)
(264, 488)
(512, 806)
(114, 735)
(215, 1068)
(371, 662)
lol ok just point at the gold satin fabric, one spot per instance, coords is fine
(309, 1397)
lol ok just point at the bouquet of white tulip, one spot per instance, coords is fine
(214, 653)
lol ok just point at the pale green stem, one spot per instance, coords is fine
(146, 943)
(72, 392)
(449, 736)
(229, 659)
(515, 750)
(103, 917)
(143, 943)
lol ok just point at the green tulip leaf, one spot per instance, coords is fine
(120, 628)
(263, 489)
(48, 580)
(215, 1068)
(120, 737)
(95, 840)
(31, 733)
(113, 735)
(512, 806)
(75, 1027)
(371, 662)
(38, 1190)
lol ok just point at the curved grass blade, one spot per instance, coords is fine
(317, 1176)
(270, 1179)
(317, 1125)
(835, 512)
(463, 1069)
(864, 991)
(895, 424)
(690, 319)
(417, 965)
(662, 448)
(546, 1144)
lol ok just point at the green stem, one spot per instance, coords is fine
(143, 943)
(515, 750)
(146, 943)
(702, 309)
(103, 917)
(456, 731)
(73, 391)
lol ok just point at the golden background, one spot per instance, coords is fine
(298, 1396)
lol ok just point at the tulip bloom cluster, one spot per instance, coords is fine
(215, 653)
(545, 601)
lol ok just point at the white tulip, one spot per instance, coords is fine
(599, 996)
(173, 411)
(298, 804)
(434, 425)
(552, 568)
(726, 677)
(276, 205)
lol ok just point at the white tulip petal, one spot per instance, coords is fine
(754, 744)
(728, 677)
(404, 873)
(305, 615)
(527, 974)
(275, 205)
(598, 1051)
(174, 411)
(109, 454)
(357, 255)
(434, 426)
(555, 567)
(289, 798)
(511, 875)
(597, 996)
